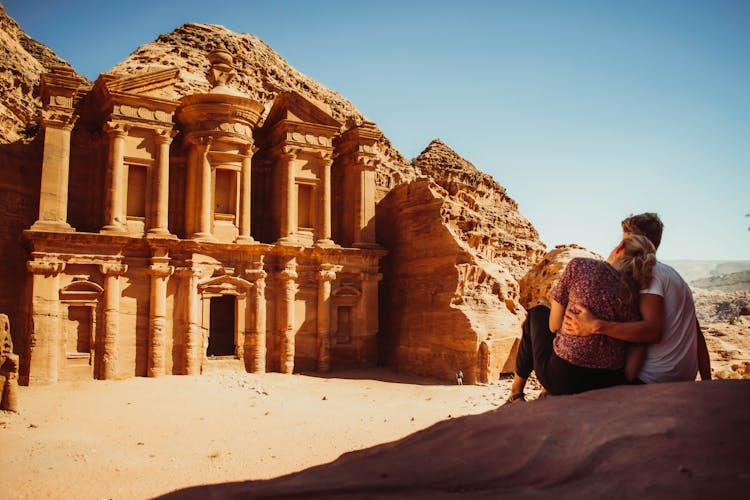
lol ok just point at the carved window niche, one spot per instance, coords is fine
(344, 303)
(80, 300)
(305, 207)
(136, 196)
(226, 202)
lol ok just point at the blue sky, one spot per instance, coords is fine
(585, 111)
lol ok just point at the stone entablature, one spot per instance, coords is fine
(216, 239)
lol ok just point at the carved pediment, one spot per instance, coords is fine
(292, 107)
(135, 97)
(226, 284)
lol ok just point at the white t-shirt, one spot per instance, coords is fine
(675, 358)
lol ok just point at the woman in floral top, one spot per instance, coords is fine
(566, 364)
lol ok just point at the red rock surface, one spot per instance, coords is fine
(683, 440)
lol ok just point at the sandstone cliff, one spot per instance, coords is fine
(23, 61)
(458, 243)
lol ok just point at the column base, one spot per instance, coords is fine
(114, 229)
(52, 226)
(325, 243)
(288, 240)
(203, 237)
(160, 233)
(245, 240)
(372, 245)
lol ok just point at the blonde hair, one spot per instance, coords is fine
(637, 261)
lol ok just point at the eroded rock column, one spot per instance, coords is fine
(255, 340)
(326, 275)
(160, 212)
(192, 335)
(114, 214)
(288, 277)
(368, 344)
(112, 273)
(44, 343)
(159, 271)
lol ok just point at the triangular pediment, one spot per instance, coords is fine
(144, 84)
(293, 107)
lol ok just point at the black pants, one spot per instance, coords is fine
(536, 353)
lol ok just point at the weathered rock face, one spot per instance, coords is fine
(23, 62)
(539, 282)
(262, 74)
(457, 249)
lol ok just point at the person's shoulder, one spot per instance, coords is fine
(667, 273)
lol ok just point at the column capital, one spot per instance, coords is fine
(328, 272)
(160, 270)
(113, 268)
(45, 267)
(58, 118)
(164, 135)
(116, 129)
(289, 153)
(370, 276)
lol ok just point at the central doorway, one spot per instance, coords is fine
(222, 326)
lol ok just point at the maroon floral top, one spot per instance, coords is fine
(598, 286)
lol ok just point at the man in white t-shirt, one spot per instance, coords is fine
(676, 346)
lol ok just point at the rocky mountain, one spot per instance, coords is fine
(23, 61)
(733, 282)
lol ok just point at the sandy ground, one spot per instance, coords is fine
(142, 437)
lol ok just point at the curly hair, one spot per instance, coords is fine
(648, 224)
(637, 261)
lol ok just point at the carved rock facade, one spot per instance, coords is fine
(179, 196)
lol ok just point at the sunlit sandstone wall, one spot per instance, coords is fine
(444, 310)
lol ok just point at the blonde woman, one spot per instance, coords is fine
(567, 364)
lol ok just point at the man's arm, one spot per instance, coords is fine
(647, 331)
(556, 313)
(704, 360)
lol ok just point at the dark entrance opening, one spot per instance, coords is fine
(221, 329)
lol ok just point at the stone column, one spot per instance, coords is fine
(288, 196)
(111, 272)
(288, 276)
(44, 345)
(114, 214)
(159, 272)
(205, 191)
(255, 342)
(245, 235)
(326, 275)
(160, 202)
(365, 210)
(53, 192)
(324, 234)
(193, 338)
(367, 345)
(58, 90)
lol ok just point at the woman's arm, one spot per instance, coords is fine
(556, 315)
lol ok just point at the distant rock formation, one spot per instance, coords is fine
(732, 282)
(458, 247)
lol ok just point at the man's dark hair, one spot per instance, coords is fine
(648, 224)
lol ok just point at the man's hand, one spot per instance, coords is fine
(579, 321)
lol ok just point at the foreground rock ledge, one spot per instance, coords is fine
(682, 440)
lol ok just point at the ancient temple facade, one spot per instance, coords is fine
(177, 234)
